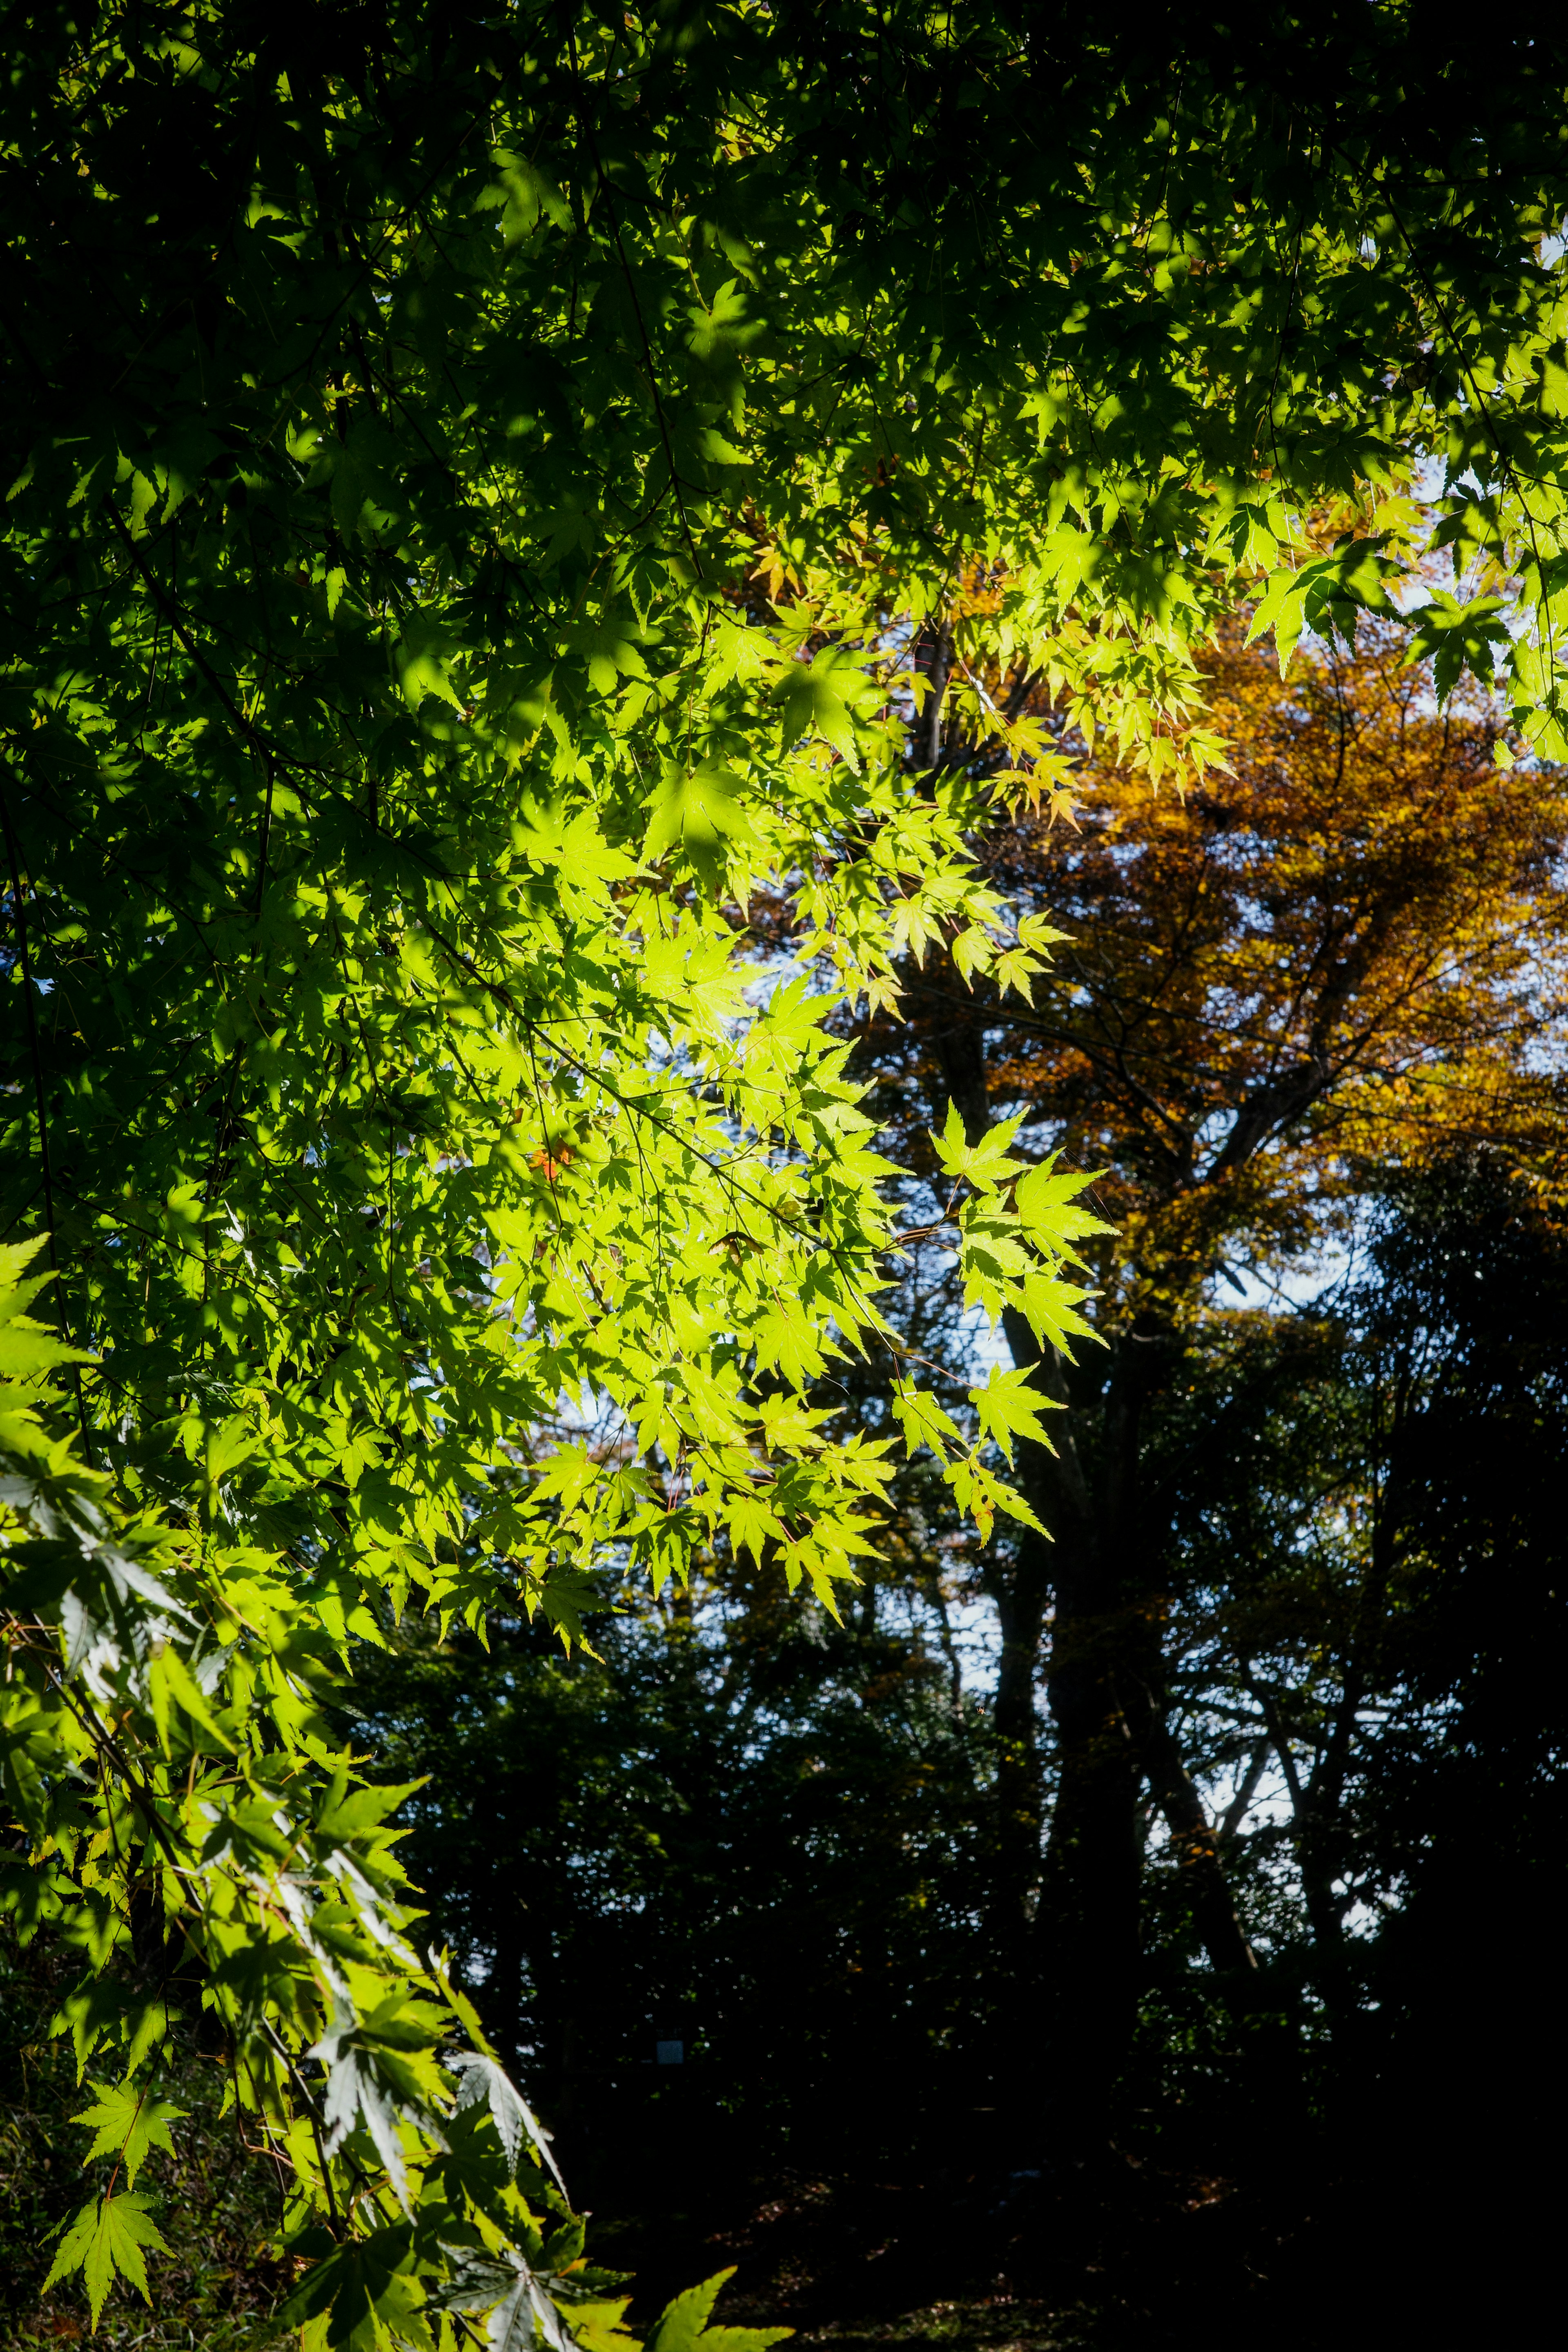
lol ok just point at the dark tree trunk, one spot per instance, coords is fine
(505, 2005)
(1086, 1928)
(1067, 1922)
(1021, 1591)
(1105, 1685)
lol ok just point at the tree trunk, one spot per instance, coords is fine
(1086, 1928)
(1020, 1589)
(1104, 1677)
(1020, 1592)
(1069, 2025)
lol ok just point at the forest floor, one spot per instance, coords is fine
(1135, 2259)
(1441, 2244)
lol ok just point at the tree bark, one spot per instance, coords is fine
(1078, 1958)
(1020, 1593)
(1106, 1689)
(1087, 1928)
(934, 656)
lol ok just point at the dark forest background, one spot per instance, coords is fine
(1136, 1935)
(776, 1841)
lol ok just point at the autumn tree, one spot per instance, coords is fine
(1344, 951)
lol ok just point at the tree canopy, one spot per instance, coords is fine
(492, 494)
(1342, 958)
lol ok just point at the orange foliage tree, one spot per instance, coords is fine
(1345, 952)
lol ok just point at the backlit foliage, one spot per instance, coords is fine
(479, 487)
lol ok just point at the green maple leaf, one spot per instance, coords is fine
(986, 1164)
(1009, 1408)
(1044, 1200)
(786, 1339)
(922, 1420)
(823, 698)
(751, 1523)
(126, 2122)
(26, 1348)
(704, 814)
(105, 2237)
(683, 2325)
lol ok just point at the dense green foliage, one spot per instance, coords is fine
(216, 2207)
(493, 498)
